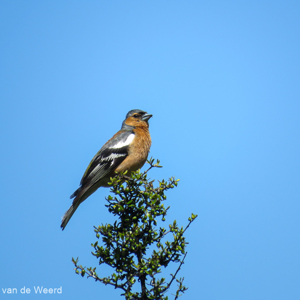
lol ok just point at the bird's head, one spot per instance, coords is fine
(136, 118)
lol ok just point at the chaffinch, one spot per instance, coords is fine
(126, 150)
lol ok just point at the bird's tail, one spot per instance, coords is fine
(80, 195)
(69, 213)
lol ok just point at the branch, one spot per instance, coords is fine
(174, 276)
(91, 273)
(173, 245)
(150, 162)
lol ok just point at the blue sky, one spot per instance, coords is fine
(221, 79)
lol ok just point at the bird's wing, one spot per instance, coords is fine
(108, 158)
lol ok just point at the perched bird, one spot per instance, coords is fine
(126, 150)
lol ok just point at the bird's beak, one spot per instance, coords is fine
(146, 117)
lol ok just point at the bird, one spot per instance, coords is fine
(127, 150)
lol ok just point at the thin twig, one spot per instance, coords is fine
(174, 276)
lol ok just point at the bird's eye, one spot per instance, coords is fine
(136, 116)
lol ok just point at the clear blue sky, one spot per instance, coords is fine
(221, 79)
